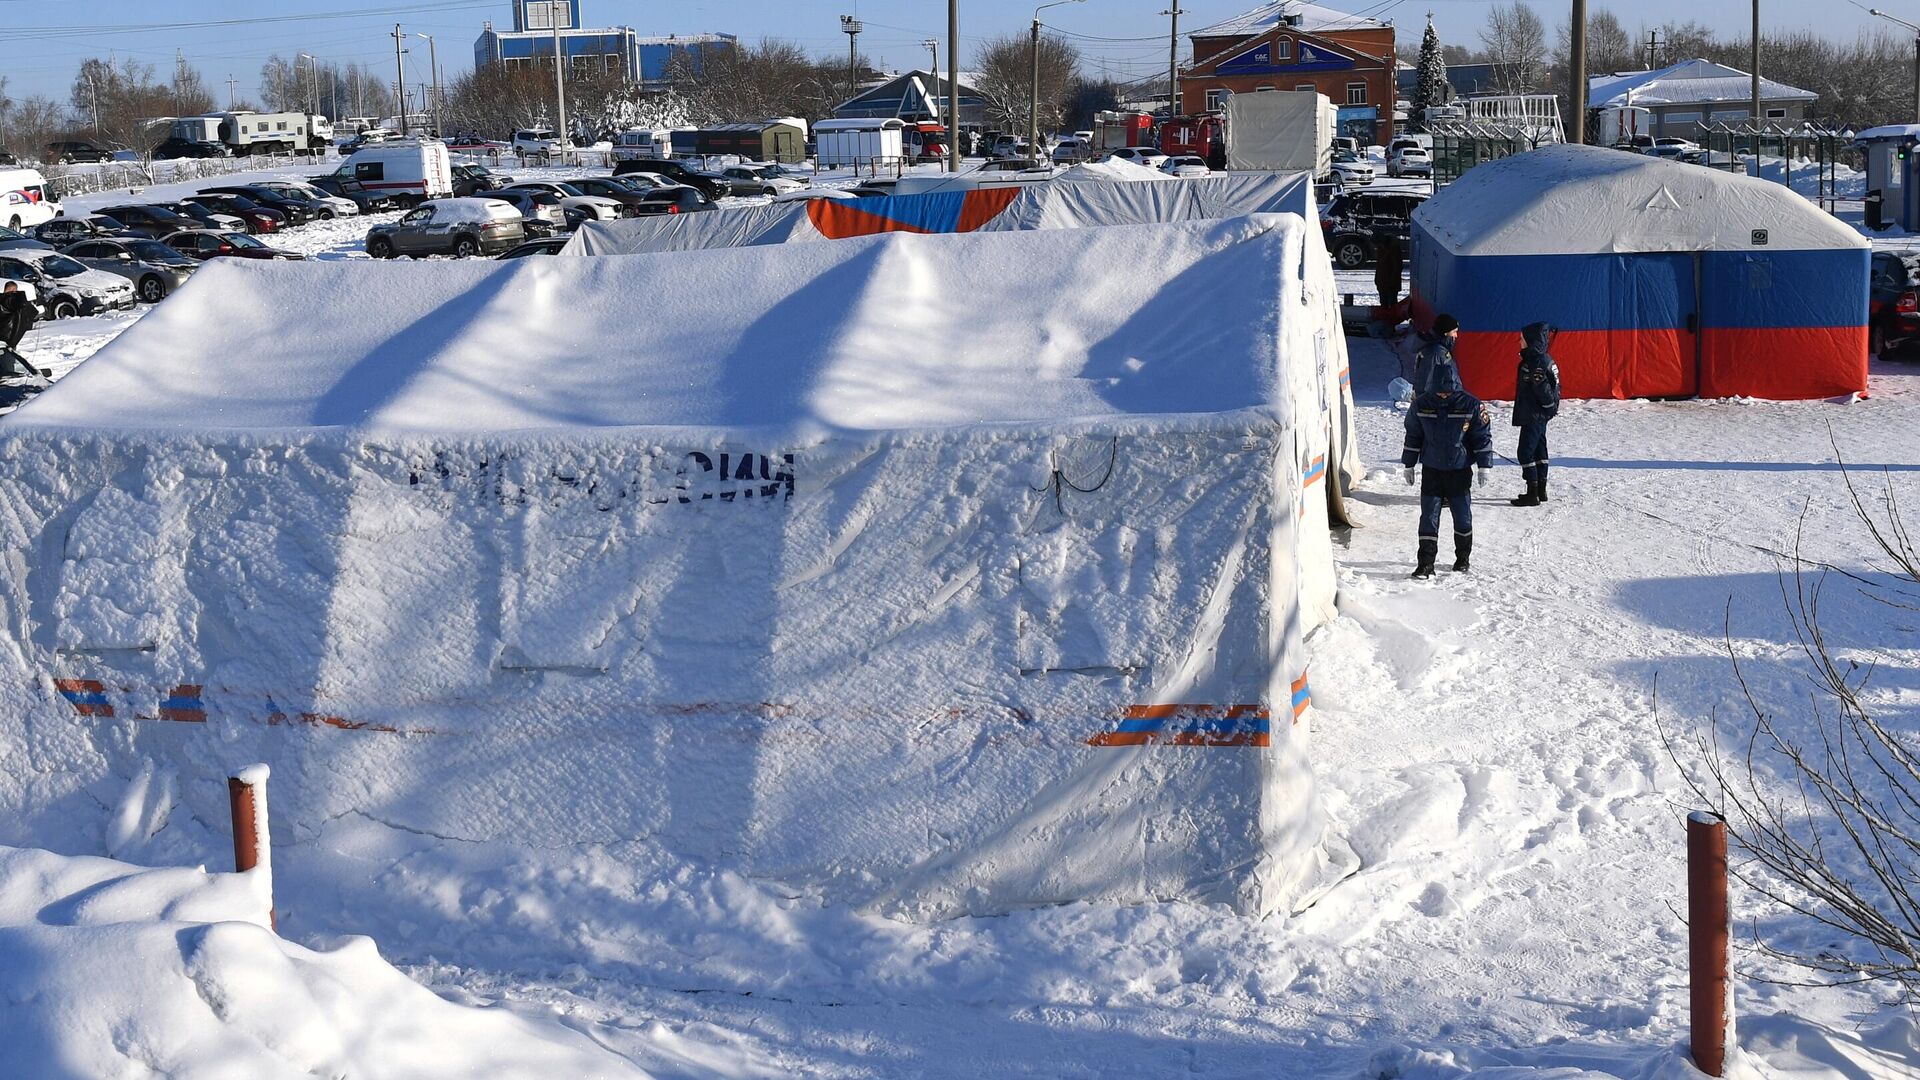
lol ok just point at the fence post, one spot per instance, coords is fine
(247, 797)
(1709, 958)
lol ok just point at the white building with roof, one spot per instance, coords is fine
(1686, 98)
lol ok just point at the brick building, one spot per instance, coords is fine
(1292, 45)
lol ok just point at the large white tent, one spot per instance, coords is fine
(714, 544)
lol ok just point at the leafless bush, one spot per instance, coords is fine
(1825, 804)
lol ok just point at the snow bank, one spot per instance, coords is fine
(108, 969)
(770, 585)
(1108, 171)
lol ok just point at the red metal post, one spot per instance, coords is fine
(1709, 931)
(246, 796)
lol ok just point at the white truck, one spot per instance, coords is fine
(408, 171)
(1280, 131)
(256, 133)
(25, 199)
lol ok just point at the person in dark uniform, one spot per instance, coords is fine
(1436, 353)
(1536, 400)
(1388, 263)
(16, 318)
(1448, 434)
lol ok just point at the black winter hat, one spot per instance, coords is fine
(1445, 324)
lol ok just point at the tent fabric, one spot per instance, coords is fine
(1666, 280)
(772, 587)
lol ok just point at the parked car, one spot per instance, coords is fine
(1355, 221)
(12, 239)
(1150, 156)
(712, 185)
(1399, 143)
(204, 244)
(597, 207)
(368, 201)
(541, 214)
(1350, 170)
(208, 219)
(331, 206)
(1352, 145)
(546, 245)
(176, 148)
(369, 137)
(154, 268)
(758, 180)
(461, 227)
(259, 219)
(76, 152)
(7, 158)
(62, 231)
(540, 143)
(675, 200)
(607, 187)
(26, 198)
(152, 222)
(66, 286)
(1410, 161)
(473, 179)
(1893, 305)
(1186, 165)
(297, 210)
(1069, 151)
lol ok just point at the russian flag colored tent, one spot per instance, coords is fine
(1665, 279)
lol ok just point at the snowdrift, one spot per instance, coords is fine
(770, 584)
(108, 969)
(1084, 199)
(1665, 279)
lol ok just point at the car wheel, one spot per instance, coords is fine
(152, 289)
(14, 223)
(465, 248)
(380, 247)
(1350, 253)
(63, 308)
(326, 215)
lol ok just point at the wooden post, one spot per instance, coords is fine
(247, 797)
(1709, 958)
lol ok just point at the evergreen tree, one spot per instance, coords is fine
(1430, 87)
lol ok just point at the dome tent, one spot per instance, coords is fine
(1665, 279)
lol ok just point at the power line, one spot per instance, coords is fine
(87, 29)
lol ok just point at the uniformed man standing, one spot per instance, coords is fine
(1436, 353)
(1536, 400)
(1447, 434)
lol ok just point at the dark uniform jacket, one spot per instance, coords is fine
(1536, 396)
(1447, 428)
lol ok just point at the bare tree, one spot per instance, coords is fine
(1835, 837)
(1516, 43)
(118, 100)
(1005, 70)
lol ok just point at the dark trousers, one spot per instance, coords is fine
(11, 362)
(1451, 488)
(1533, 451)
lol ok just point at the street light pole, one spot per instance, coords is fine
(559, 77)
(400, 78)
(1916, 56)
(433, 66)
(1173, 60)
(313, 82)
(1578, 66)
(1033, 88)
(953, 85)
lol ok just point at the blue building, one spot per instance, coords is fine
(643, 59)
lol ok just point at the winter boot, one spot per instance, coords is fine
(1429, 547)
(1540, 489)
(1531, 498)
(1462, 551)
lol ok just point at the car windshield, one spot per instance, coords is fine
(154, 251)
(241, 240)
(9, 234)
(61, 267)
(569, 189)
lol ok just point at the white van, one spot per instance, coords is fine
(536, 142)
(408, 171)
(635, 144)
(25, 199)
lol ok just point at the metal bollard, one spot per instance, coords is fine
(1709, 931)
(247, 797)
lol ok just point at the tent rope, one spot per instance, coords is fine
(1057, 480)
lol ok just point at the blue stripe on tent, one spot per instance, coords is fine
(935, 211)
(84, 699)
(181, 703)
(1739, 289)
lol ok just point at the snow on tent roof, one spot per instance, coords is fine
(1588, 199)
(1313, 17)
(1685, 83)
(1034, 326)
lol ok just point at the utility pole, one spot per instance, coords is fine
(229, 91)
(559, 77)
(933, 53)
(179, 78)
(1173, 60)
(851, 26)
(1033, 86)
(1759, 118)
(953, 85)
(1578, 66)
(433, 66)
(1653, 49)
(313, 82)
(400, 78)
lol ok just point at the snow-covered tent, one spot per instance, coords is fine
(1054, 205)
(770, 585)
(1666, 279)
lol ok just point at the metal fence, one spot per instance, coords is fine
(1459, 145)
(67, 180)
(1810, 153)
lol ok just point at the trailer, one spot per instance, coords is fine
(254, 132)
(767, 140)
(859, 141)
(1280, 131)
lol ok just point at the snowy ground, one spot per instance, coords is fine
(1486, 742)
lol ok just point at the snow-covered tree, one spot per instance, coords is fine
(1430, 88)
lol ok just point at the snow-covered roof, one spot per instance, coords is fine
(881, 332)
(1689, 82)
(1889, 131)
(1569, 199)
(1313, 19)
(472, 210)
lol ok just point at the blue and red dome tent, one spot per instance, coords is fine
(1665, 279)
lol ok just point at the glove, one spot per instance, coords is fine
(1409, 474)
(1482, 479)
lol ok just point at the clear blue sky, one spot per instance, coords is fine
(42, 41)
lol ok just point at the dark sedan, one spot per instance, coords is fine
(259, 219)
(369, 201)
(674, 200)
(62, 231)
(152, 222)
(176, 148)
(218, 220)
(1893, 304)
(204, 244)
(475, 179)
(298, 211)
(712, 185)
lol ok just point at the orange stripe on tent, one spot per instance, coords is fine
(984, 205)
(838, 222)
